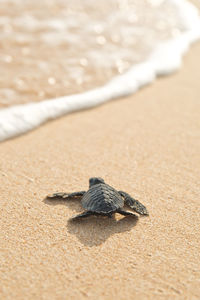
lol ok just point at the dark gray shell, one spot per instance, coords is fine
(102, 198)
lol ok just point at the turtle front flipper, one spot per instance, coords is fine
(134, 204)
(125, 213)
(66, 196)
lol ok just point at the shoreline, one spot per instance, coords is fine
(165, 59)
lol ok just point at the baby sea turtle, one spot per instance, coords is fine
(102, 199)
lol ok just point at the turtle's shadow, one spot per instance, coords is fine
(94, 231)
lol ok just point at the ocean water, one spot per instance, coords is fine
(58, 56)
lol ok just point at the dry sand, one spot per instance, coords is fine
(148, 145)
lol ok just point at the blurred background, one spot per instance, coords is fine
(53, 48)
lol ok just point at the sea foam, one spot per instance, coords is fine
(164, 59)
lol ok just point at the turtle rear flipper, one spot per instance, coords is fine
(85, 214)
(66, 196)
(134, 204)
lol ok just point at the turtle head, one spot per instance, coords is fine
(95, 180)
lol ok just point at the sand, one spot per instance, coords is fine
(148, 145)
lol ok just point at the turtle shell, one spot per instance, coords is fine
(102, 198)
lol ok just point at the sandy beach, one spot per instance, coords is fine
(148, 145)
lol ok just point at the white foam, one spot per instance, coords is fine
(166, 58)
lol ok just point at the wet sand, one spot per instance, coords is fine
(148, 145)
